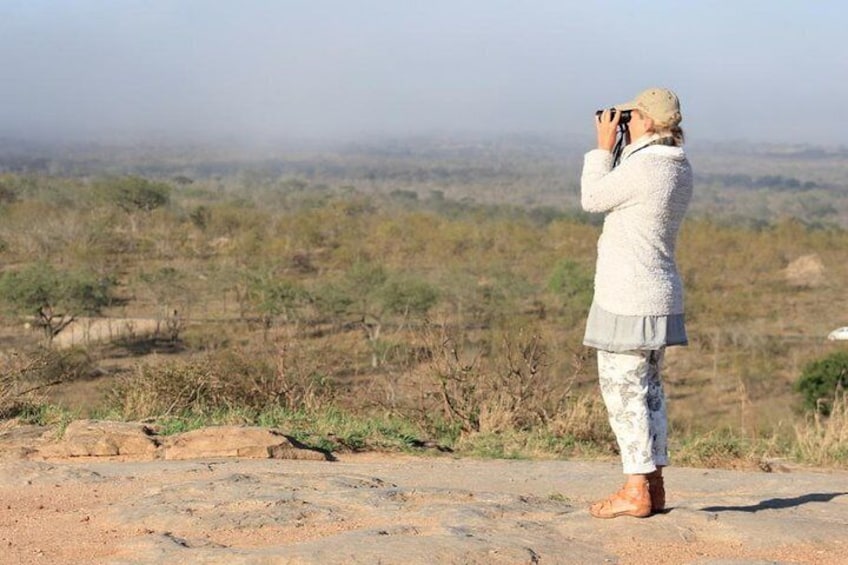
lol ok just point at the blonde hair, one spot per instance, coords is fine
(674, 132)
(669, 129)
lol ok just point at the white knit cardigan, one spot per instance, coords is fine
(644, 199)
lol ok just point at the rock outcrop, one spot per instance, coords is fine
(134, 440)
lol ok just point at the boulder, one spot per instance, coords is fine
(237, 441)
(19, 441)
(92, 438)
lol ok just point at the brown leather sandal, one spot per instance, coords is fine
(629, 501)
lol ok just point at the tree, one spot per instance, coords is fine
(55, 298)
(132, 194)
(274, 297)
(822, 380)
(368, 293)
(167, 288)
(408, 296)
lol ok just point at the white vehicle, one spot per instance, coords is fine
(838, 333)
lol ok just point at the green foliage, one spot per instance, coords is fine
(15, 187)
(200, 217)
(491, 297)
(570, 281)
(364, 280)
(86, 292)
(132, 193)
(332, 299)
(822, 380)
(40, 285)
(483, 238)
(409, 296)
(368, 289)
(713, 449)
(166, 285)
(54, 297)
(274, 296)
(31, 288)
(45, 414)
(8, 191)
(234, 219)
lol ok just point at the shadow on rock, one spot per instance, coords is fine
(778, 503)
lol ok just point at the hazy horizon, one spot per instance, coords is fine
(261, 71)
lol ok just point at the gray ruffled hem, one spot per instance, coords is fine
(617, 333)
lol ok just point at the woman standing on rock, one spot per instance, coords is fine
(637, 309)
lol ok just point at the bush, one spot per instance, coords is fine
(132, 193)
(26, 376)
(409, 296)
(821, 381)
(513, 389)
(253, 382)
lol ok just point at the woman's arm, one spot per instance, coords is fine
(603, 188)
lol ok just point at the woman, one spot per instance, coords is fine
(637, 309)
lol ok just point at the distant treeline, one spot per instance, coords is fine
(771, 182)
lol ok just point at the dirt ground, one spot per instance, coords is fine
(380, 508)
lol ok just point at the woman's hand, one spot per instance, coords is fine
(607, 127)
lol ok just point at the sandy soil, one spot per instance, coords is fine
(402, 509)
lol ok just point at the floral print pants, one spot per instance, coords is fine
(633, 394)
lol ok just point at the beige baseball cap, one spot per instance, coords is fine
(660, 104)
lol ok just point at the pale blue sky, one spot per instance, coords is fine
(756, 70)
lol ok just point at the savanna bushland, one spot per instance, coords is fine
(410, 294)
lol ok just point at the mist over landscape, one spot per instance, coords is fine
(267, 72)
(310, 88)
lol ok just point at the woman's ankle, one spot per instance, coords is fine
(636, 481)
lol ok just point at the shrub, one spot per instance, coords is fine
(274, 297)
(511, 389)
(132, 193)
(25, 376)
(253, 382)
(821, 381)
(409, 296)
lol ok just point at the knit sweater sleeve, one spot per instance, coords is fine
(603, 188)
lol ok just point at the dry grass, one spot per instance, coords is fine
(823, 440)
(510, 359)
(253, 381)
(26, 377)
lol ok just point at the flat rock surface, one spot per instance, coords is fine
(376, 508)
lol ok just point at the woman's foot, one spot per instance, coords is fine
(634, 499)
